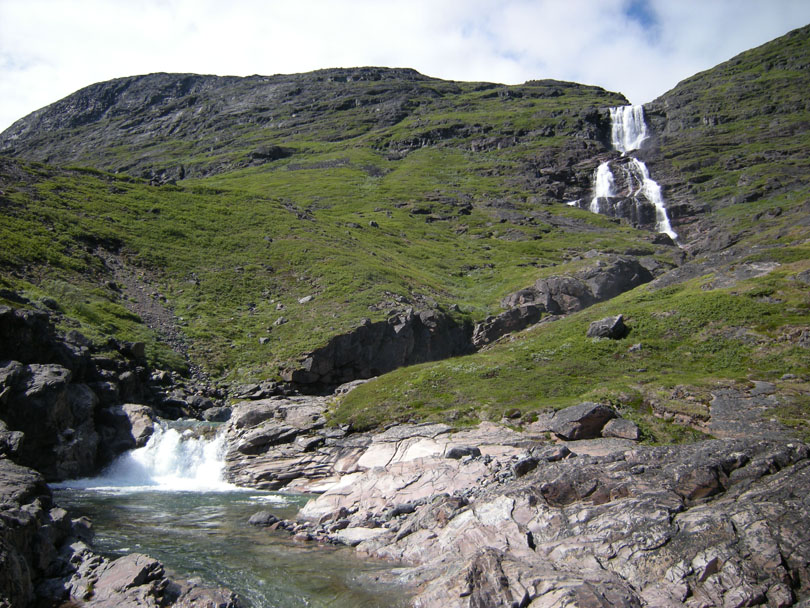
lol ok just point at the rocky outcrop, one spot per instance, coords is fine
(600, 281)
(376, 348)
(46, 560)
(55, 416)
(713, 524)
(278, 441)
(66, 408)
(514, 319)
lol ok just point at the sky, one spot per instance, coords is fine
(642, 48)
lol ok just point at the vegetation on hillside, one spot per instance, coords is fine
(375, 191)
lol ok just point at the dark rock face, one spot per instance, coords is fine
(565, 294)
(55, 416)
(507, 322)
(375, 348)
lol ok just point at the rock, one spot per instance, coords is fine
(523, 466)
(716, 522)
(375, 348)
(10, 441)
(583, 421)
(306, 299)
(609, 327)
(601, 281)
(55, 416)
(217, 414)
(621, 428)
(280, 321)
(462, 451)
(514, 319)
(262, 518)
(355, 536)
(124, 427)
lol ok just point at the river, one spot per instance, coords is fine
(168, 500)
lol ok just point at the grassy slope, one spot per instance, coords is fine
(740, 130)
(228, 249)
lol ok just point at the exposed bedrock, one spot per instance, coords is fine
(489, 516)
(719, 523)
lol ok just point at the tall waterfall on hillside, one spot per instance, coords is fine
(172, 460)
(635, 191)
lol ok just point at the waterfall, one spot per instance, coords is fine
(628, 128)
(603, 186)
(652, 192)
(628, 131)
(172, 460)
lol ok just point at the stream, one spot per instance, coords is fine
(168, 500)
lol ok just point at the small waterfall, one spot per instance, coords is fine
(172, 460)
(603, 186)
(652, 192)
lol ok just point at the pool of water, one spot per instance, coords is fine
(207, 535)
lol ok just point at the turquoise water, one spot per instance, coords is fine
(206, 534)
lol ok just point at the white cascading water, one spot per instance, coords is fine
(603, 186)
(628, 130)
(652, 192)
(170, 461)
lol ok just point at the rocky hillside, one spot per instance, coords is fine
(183, 245)
(324, 227)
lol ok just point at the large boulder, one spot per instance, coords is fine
(600, 281)
(55, 415)
(583, 421)
(609, 327)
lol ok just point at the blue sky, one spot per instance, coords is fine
(642, 48)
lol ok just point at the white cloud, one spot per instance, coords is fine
(50, 48)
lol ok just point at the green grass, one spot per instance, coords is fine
(688, 336)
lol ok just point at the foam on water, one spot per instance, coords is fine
(171, 461)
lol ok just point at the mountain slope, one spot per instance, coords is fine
(376, 191)
(732, 144)
(446, 206)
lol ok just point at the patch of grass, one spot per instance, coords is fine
(683, 335)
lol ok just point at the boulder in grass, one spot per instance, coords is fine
(622, 429)
(609, 327)
(583, 421)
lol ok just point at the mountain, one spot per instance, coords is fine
(335, 225)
